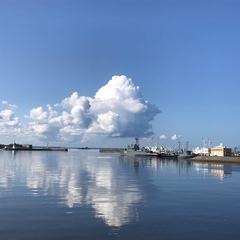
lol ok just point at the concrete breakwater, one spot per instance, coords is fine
(109, 150)
(29, 147)
(49, 149)
(216, 159)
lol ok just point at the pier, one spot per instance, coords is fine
(216, 159)
(29, 147)
(109, 150)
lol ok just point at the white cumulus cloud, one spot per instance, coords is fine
(9, 123)
(117, 110)
(176, 137)
(7, 119)
(163, 137)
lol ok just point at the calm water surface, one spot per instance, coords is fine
(84, 194)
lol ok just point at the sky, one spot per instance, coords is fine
(98, 73)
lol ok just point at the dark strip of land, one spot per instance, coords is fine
(38, 149)
(111, 150)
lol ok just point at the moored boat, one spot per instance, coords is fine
(186, 154)
(134, 150)
(169, 155)
(162, 152)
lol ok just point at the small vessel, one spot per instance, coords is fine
(134, 150)
(186, 154)
(169, 155)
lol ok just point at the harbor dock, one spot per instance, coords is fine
(29, 147)
(109, 150)
(216, 159)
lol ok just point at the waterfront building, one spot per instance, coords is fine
(221, 151)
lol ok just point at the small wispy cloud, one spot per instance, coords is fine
(163, 137)
(4, 102)
(175, 137)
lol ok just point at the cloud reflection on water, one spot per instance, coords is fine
(89, 179)
(93, 182)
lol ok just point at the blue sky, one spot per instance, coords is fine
(176, 68)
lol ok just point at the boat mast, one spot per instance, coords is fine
(179, 145)
(136, 145)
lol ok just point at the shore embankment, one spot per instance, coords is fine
(216, 159)
(109, 150)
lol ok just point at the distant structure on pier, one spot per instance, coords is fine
(16, 146)
(221, 151)
(205, 150)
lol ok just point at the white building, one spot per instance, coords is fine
(205, 150)
(202, 151)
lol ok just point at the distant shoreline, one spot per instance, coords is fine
(37, 149)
